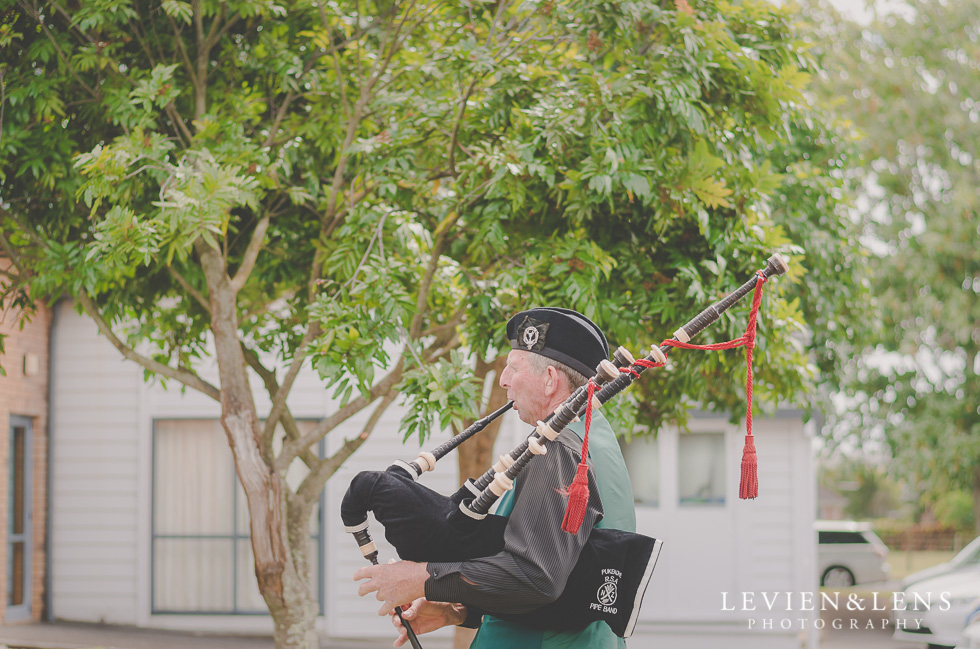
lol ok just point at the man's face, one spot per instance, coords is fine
(526, 387)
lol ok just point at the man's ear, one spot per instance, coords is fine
(554, 380)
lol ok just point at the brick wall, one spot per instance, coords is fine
(23, 392)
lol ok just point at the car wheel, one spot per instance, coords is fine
(837, 577)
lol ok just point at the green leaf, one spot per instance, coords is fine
(178, 9)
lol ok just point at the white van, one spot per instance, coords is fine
(849, 553)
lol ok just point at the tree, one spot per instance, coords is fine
(908, 82)
(867, 487)
(370, 189)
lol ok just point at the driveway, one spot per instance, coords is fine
(870, 633)
(866, 629)
(77, 635)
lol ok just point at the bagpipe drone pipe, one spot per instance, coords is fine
(424, 525)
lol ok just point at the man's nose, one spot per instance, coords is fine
(505, 378)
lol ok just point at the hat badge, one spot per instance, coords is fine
(530, 336)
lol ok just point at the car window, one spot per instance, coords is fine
(841, 537)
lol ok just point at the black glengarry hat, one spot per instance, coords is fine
(559, 334)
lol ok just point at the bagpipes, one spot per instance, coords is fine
(424, 525)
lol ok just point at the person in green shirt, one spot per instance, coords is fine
(553, 352)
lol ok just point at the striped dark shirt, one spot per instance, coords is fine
(538, 555)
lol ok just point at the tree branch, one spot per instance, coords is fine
(193, 292)
(191, 70)
(156, 39)
(179, 123)
(280, 114)
(284, 107)
(336, 60)
(430, 272)
(288, 422)
(337, 45)
(332, 216)
(442, 346)
(68, 18)
(3, 102)
(201, 65)
(338, 175)
(455, 135)
(313, 483)
(189, 379)
(344, 209)
(13, 256)
(474, 195)
(450, 324)
(357, 50)
(251, 254)
(259, 309)
(376, 72)
(493, 23)
(212, 36)
(141, 38)
(282, 392)
(377, 236)
(231, 22)
(379, 69)
(203, 249)
(61, 55)
(292, 448)
(29, 232)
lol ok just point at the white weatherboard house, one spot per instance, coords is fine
(147, 525)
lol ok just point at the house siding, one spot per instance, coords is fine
(765, 544)
(24, 393)
(95, 464)
(101, 529)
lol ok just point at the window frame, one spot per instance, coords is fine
(688, 503)
(235, 537)
(627, 448)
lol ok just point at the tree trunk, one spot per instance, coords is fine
(294, 613)
(280, 542)
(476, 455)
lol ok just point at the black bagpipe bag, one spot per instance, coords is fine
(607, 583)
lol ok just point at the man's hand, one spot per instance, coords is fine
(395, 583)
(426, 616)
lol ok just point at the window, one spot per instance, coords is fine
(701, 469)
(19, 514)
(201, 552)
(642, 456)
(841, 537)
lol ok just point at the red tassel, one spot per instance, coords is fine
(578, 500)
(578, 492)
(749, 485)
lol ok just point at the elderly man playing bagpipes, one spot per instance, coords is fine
(554, 351)
(559, 564)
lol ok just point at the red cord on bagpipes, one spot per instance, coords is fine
(578, 492)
